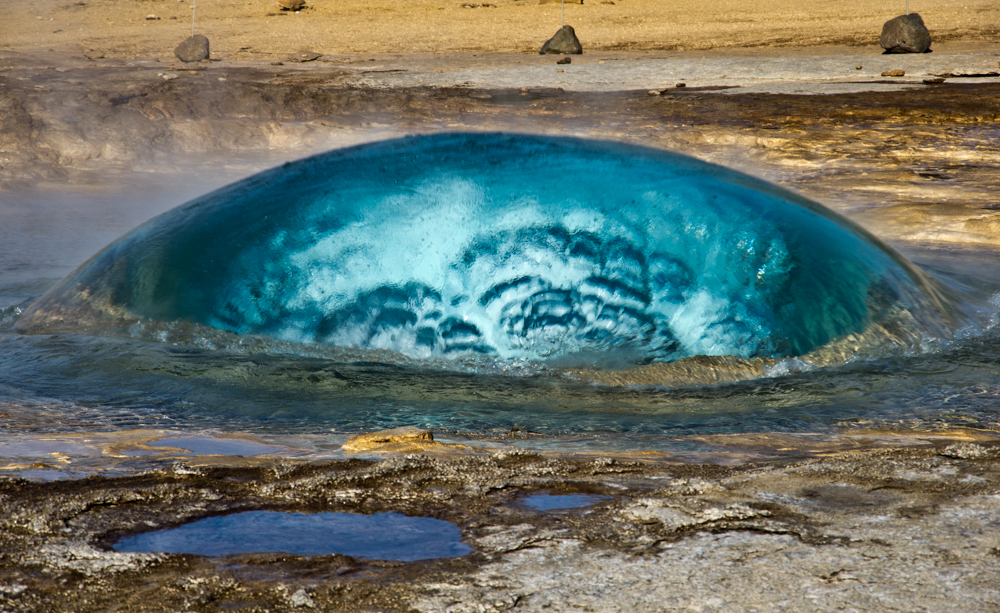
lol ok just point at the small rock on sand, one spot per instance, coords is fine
(905, 34)
(565, 60)
(302, 599)
(372, 440)
(304, 56)
(894, 73)
(193, 49)
(564, 42)
(292, 5)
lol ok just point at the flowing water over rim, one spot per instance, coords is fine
(228, 364)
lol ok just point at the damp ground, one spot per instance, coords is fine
(893, 513)
(885, 529)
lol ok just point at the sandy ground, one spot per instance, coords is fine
(256, 29)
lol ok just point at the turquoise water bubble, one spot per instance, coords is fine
(506, 247)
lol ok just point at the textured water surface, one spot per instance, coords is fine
(512, 247)
(470, 283)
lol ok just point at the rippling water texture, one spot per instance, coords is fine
(480, 282)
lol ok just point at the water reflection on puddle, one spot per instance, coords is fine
(384, 536)
(556, 502)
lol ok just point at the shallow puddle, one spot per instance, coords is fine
(383, 536)
(557, 502)
(207, 445)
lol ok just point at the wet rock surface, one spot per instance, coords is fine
(883, 529)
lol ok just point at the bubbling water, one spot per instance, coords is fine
(550, 250)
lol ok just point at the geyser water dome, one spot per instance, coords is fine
(507, 247)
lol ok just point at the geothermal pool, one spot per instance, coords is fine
(483, 284)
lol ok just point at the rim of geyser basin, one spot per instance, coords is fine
(302, 170)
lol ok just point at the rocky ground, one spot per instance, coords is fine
(883, 527)
(902, 529)
(914, 162)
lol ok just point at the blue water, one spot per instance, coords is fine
(512, 247)
(556, 502)
(383, 536)
(454, 282)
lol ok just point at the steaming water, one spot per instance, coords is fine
(475, 284)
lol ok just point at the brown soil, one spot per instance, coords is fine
(257, 29)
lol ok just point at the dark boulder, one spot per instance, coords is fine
(905, 34)
(564, 42)
(193, 49)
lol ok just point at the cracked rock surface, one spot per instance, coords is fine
(877, 530)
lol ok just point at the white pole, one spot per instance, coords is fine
(194, 8)
(564, 13)
(907, 7)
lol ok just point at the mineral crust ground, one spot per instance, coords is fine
(91, 101)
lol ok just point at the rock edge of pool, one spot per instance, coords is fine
(883, 527)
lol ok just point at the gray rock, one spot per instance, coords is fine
(193, 49)
(905, 34)
(964, 451)
(305, 56)
(291, 5)
(564, 42)
(302, 599)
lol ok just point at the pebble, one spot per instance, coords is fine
(894, 73)
(934, 80)
(565, 60)
(653, 92)
(681, 85)
(305, 56)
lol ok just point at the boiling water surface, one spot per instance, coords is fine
(482, 283)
